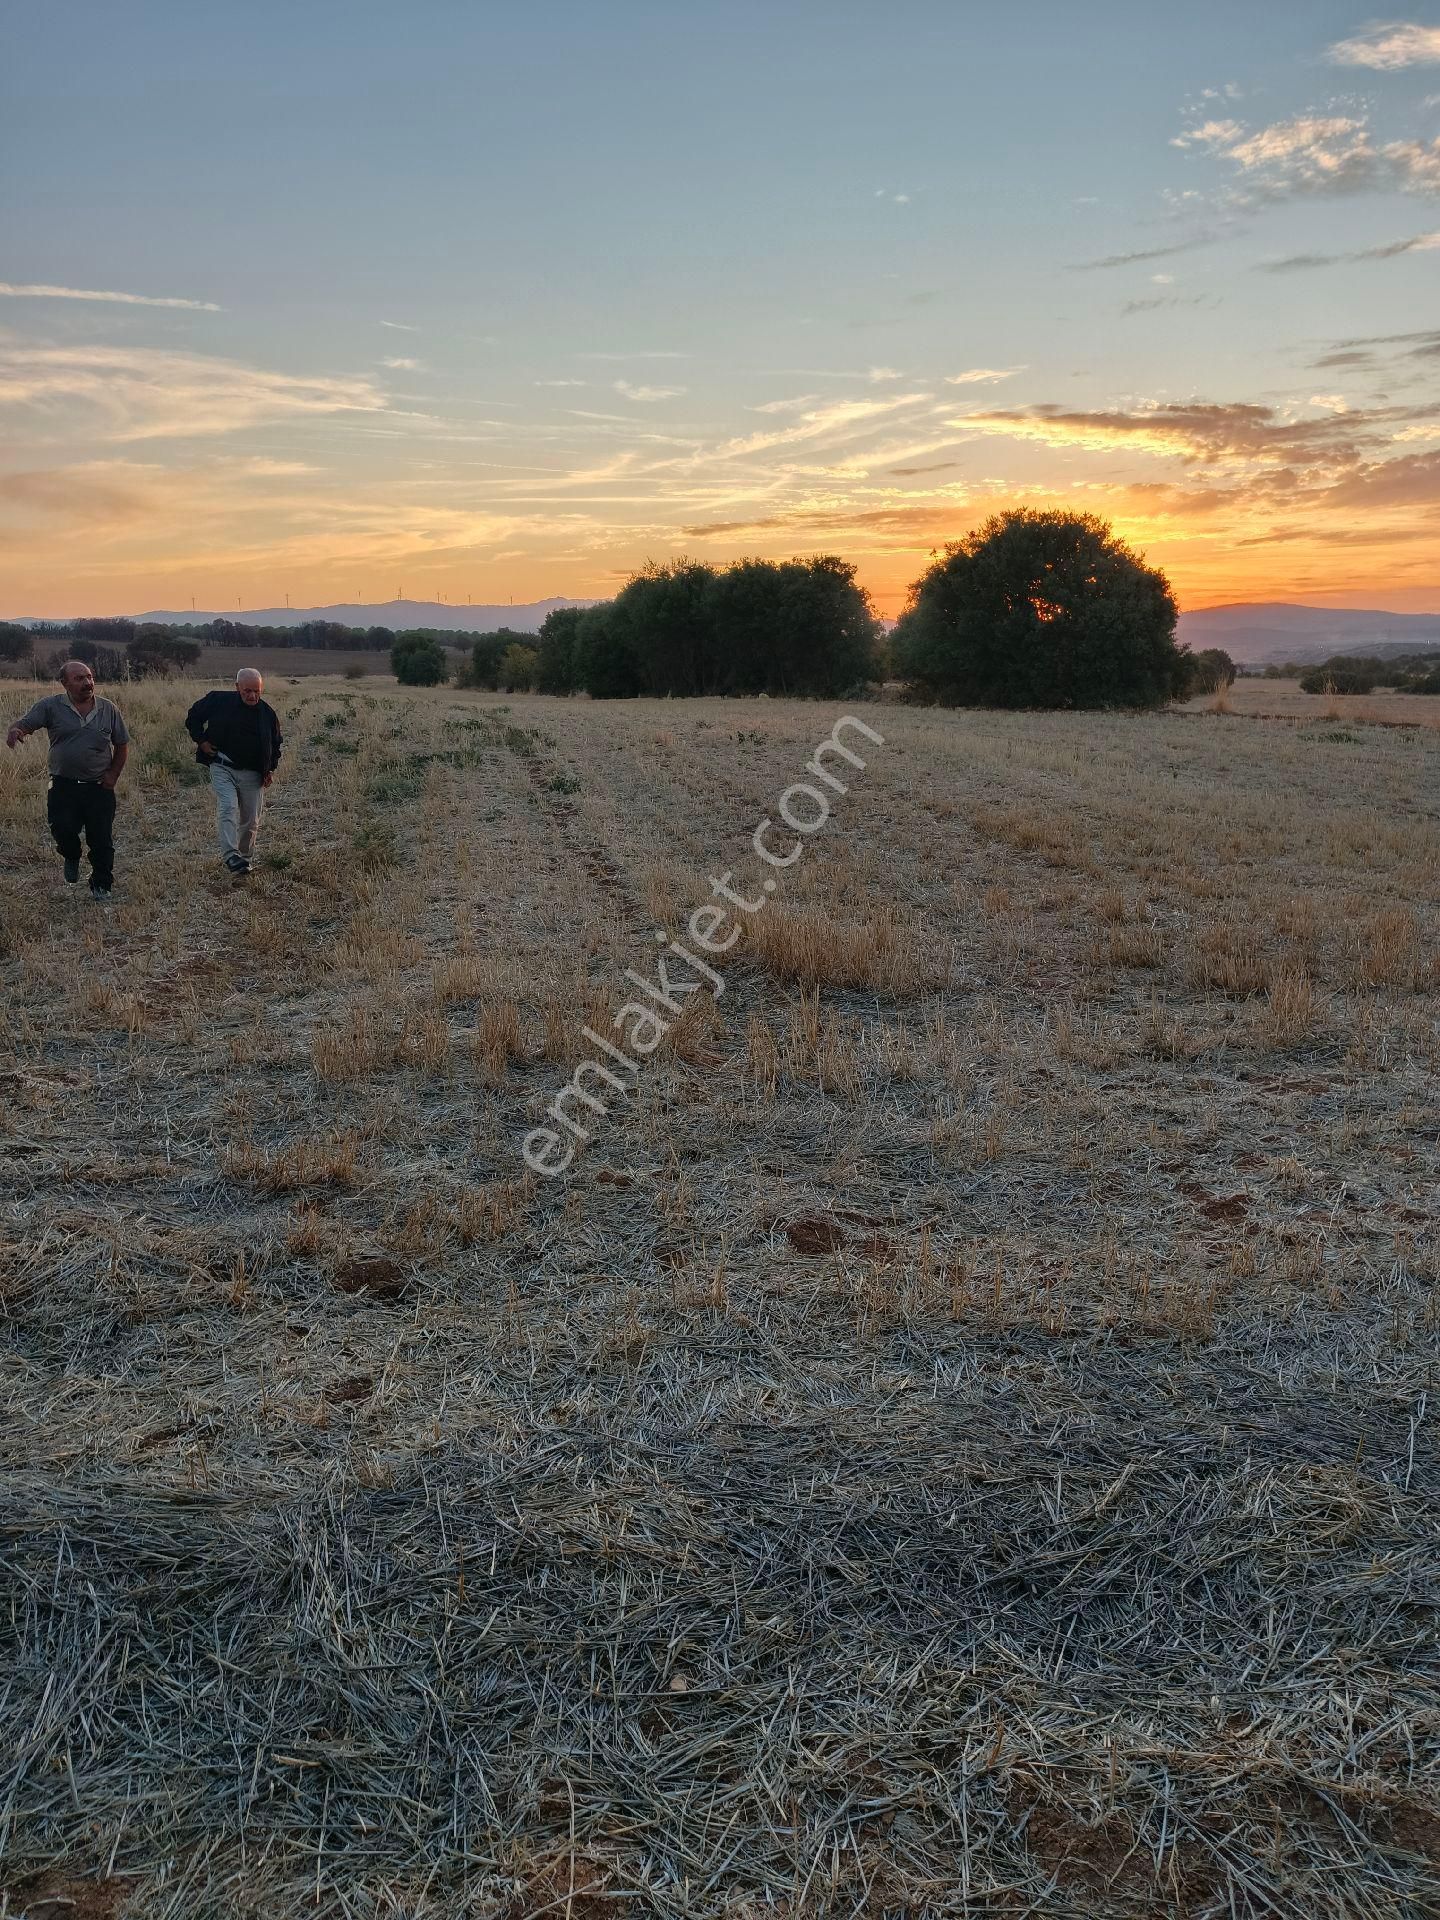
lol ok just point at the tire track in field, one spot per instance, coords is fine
(542, 772)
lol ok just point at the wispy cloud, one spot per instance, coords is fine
(1397, 44)
(10, 291)
(1202, 432)
(1299, 262)
(1143, 253)
(876, 375)
(980, 376)
(399, 326)
(122, 394)
(629, 392)
(796, 405)
(836, 418)
(1155, 301)
(655, 353)
(561, 383)
(402, 365)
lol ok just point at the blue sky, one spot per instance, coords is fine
(495, 300)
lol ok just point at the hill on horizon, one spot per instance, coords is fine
(1255, 631)
(387, 613)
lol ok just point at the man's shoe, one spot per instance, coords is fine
(98, 892)
(72, 871)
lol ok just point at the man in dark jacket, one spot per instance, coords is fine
(237, 736)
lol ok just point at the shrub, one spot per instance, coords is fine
(604, 656)
(106, 663)
(556, 668)
(487, 650)
(1210, 670)
(419, 662)
(355, 671)
(156, 655)
(517, 669)
(1041, 609)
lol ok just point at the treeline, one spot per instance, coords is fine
(119, 649)
(1363, 673)
(798, 627)
(112, 649)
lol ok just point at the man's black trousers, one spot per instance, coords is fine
(76, 804)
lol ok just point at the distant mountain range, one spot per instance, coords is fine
(392, 613)
(1256, 631)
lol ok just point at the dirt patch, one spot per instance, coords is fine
(162, 1436)
(876, 1246)
(51, 1898)
(815, 1235)
(1416, 1828)
(1215, 1206)
(575, 1887)
(359, 1387)
(386, 1279)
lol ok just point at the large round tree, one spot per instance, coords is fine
(1041, 610)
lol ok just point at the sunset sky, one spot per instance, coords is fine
(339, 300)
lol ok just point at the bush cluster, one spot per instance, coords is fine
(1364, 673)
(759, 626)
(418, 661)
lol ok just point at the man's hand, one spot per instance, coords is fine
(265, 779)
(16, 734)
(109, 779)
(207, 747)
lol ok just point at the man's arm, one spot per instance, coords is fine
(27, 724)
(119, 754)
(278, 743)
(196, 718)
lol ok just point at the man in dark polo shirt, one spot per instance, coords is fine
(89, 744)
(237, 736)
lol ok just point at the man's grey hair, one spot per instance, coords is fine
(249, 673)
(84, 665)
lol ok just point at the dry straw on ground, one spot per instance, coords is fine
(961, 1441)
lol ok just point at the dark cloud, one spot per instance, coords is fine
(1303, 262)
(940, 466)
(1411, 480)
(1426, 341)
(1167, 300)
(1142, 254)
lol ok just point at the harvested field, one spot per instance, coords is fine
(961, 1439)
(1283, 700)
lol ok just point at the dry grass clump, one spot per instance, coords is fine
(1138, 943)
(1230, 955)
(807, 947)
(1290, 1016)
(498, 1040)
(1052, 837)
(296, 1165)
(1388, 951)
